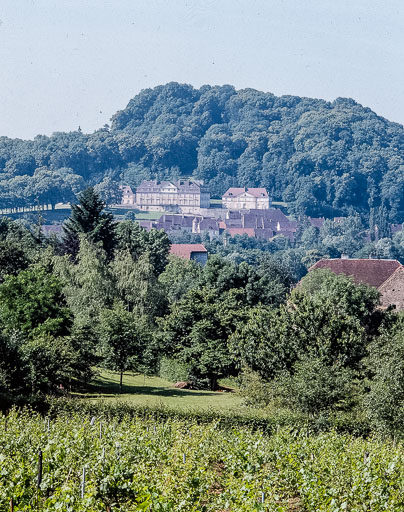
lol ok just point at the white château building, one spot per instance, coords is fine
(167, 195)
(246, 199)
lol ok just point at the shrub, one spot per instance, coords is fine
(254, 390)
(173, 370)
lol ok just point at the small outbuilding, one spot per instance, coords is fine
(196, 252)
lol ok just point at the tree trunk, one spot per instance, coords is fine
(120, 382)
(213, 383)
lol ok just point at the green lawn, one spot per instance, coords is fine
(120, 212)
(149, 215)
(141, 390)
(280, 203)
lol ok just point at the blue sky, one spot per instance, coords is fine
(65, 63)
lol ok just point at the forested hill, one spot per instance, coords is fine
(322, 158)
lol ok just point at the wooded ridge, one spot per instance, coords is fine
(323, 158)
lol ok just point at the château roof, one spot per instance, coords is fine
(126, 189)
(184, 186)
(256, 192)
(368, 271)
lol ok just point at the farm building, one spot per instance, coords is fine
(385, 275)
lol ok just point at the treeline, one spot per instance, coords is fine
(323, 158)
(108, 295)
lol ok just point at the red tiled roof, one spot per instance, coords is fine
(185, 250)
(316, 222)
(367, 271)
(241, 231)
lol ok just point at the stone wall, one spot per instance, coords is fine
(392, 290)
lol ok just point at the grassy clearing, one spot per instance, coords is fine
(280, 203)
(119, 213)
(149, 215)
(152, 391)
(56, 216)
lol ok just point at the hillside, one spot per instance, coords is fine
(322, 158)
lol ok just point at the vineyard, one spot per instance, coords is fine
(83, 463)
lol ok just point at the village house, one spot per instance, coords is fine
(385, 275)
(259, 223)
(316, 222)
(128, 196)
(186, 223)
(245, 199)
(170, 222)
(206, 224)
(195, 252)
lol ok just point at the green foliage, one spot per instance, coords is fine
(88, 218)
(268, 283)
(358, 300)
(12, 368)
(322, 158)
(87, 284)
(179, 277)
(108, 190)
(44, 363)
(168, 464)
(32, 302)
(125, 337)
(14, 235)
(48, 363)
(84, 351)
(265, 341)
(385, 401)
(342, 237)
(136, 284)
(322, 349)
(315, 386)
(256, 392)
(197, 331)
(12, 259)
(308, 351)
(173, 370)
(133, 238)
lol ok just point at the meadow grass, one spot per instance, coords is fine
(149, 215)
(151, 391)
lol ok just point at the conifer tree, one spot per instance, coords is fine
(88, 218)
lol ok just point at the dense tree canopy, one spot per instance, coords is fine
(323, 347)
(323, 158)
